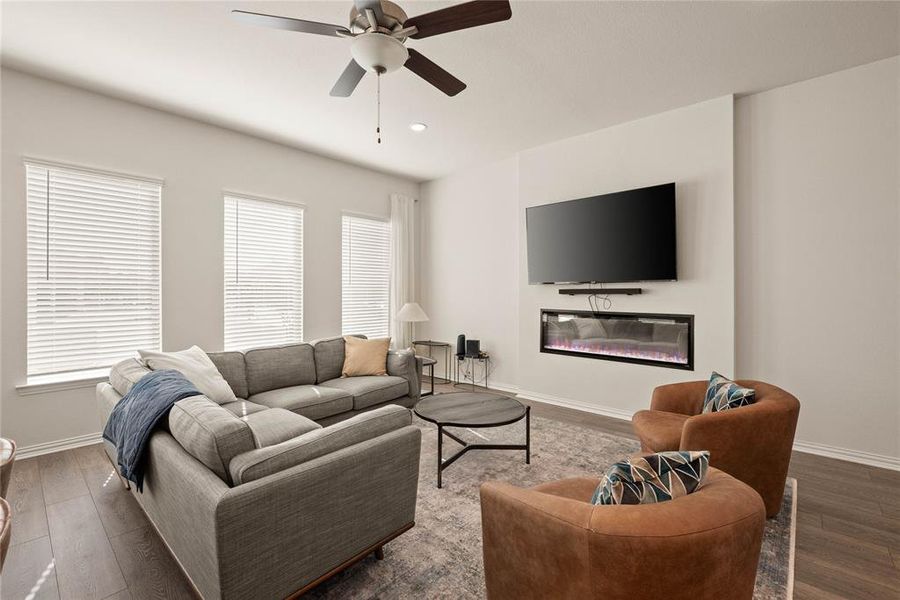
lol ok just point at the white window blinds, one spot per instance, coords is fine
(93, 268)
(366, 276)
(263, 273)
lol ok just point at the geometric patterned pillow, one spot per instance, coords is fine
(723, 394)
(654, 478)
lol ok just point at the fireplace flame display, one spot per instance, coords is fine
(654, 339)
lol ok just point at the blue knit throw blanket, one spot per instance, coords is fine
(138, 413)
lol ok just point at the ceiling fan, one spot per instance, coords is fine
(379, 29)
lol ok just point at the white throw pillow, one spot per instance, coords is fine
(194, 364)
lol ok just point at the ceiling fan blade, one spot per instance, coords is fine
(289, 24)
(348, 80)
(433, 74)
(374, 5)
(461, 16)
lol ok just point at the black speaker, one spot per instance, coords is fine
(460, 346)
(473, 347)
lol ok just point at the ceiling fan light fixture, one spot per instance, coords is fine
(418, 127)
(378, 52)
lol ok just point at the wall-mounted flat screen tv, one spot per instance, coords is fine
(624, 236)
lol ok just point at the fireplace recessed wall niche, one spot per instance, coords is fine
(661, 340)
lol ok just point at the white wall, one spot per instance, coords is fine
(469, 277)
(816, 306)
(691, 146)
(818, 257)
(474, 275)
(42, 119)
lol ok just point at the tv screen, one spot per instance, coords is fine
(624, 236)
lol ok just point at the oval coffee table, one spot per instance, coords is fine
(473, 410)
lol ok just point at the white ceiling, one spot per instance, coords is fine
(556, 69)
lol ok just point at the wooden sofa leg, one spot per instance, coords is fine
(379, 553)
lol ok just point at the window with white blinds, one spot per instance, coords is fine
(366, 276)
(93, 268)
(263, 273)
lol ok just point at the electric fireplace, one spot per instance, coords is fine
(663, 340)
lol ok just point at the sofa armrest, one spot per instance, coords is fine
(682, 398)
(523, 529)
(294, 526)
(263, 462)
(107, 398)
(405, 364)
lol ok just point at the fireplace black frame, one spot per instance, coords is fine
(689, 319)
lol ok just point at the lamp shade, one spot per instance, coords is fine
(411, 312)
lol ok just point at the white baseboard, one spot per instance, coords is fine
(58, 445)
(858, 456)
(606, 411)
(504, 387)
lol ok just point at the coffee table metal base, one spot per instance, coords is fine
(444, 463)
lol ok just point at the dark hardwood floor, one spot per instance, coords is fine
(78, 534)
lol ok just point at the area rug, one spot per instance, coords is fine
(441, 556)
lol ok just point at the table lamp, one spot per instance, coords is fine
(411, 313)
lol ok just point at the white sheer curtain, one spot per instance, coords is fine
(403, 264)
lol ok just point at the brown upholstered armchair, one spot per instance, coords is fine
(551, 542)
(752, 443)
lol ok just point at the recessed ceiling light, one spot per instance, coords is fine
(418, 127)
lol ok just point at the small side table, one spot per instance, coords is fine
(484, 358)
(428, 363)
(431, 345)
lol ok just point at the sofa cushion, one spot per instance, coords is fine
(196, 365)
(279, 367)
(276, 425)
(242, 408)
(231, 366)
(126, 373)
(651, 479)
(365, 357)
(329, 354)
(311, 401)
(724, 394)
(659, 430)
(370, 390)
(210, 433)
(273, 459)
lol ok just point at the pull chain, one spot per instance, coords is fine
(378, 102)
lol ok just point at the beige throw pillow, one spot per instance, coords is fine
(365, 357)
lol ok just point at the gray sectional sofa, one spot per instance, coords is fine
(304, 474)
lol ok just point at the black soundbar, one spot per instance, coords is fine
(600, 292)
